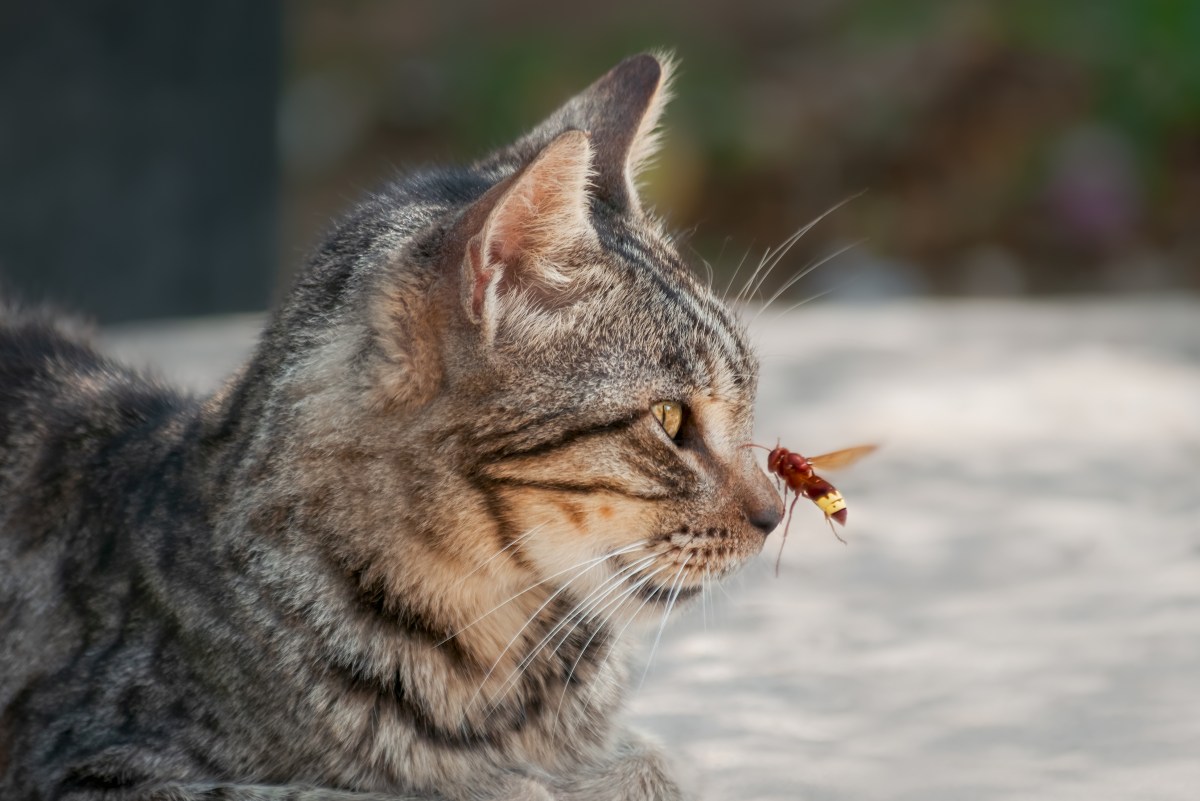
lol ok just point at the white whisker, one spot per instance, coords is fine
(791, 281)
(674, 594)
(616, 604)
(770, 259)
(795, 306)
(736, 270)
(707, 266)
(766, 257)
(585, 609)
(588, 698)
(587, 605)
(498, 553)
(752, 287)
(525, 662)
(589, 563)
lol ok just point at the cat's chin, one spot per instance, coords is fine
(652, 603)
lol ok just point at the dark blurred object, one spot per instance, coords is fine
(138, 173)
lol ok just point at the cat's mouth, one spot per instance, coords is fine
(666, 585)
(683, 561)
(664, 595)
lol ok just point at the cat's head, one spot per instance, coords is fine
(549, 374)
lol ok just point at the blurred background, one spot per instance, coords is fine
(165, 159)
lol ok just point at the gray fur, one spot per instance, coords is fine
(359, 570)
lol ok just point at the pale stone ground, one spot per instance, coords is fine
(1017, 613)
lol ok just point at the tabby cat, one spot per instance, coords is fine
(495, 428)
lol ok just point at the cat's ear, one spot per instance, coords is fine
(535, 228)
(621, 111)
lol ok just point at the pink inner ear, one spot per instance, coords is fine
(504, 244)
(483, 272)
(541, 216)
(500, 253)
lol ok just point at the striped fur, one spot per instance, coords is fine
(402, 553)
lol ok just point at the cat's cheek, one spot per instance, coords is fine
(571, 531)
(619, 521)
(587, 523)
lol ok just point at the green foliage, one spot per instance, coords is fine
(1141, 58)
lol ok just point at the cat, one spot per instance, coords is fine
(495, 429)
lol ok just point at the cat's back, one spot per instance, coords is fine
(62, 402)
(77, 431)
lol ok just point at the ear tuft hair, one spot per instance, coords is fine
(533, 231)
(621, 111)
(648, 139)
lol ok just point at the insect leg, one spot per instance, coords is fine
(786, 526)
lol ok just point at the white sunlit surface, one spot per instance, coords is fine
(1017, 612)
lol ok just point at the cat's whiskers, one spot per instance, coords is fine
(712, 595)
(708, 264)
(496, 555)
(577, 611)
(586, 606)
(587, 565)
(676, 587)
(797, 305)
(596, 598)
(772, 258)
(587, 699)
(736, 270)
(587, 610)
(616, 605)
(708, 268)
(801, 274)
(764, 355)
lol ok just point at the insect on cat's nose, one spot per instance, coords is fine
(765, 518)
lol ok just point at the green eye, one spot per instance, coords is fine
(669, 414)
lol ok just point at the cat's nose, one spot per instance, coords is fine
(760, 502)
(765, 517)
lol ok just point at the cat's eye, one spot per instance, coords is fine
(669, 414)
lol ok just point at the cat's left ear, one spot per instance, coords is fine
(528, 246)
(624, 109)
(621, 111)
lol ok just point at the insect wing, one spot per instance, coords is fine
(842, 458)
